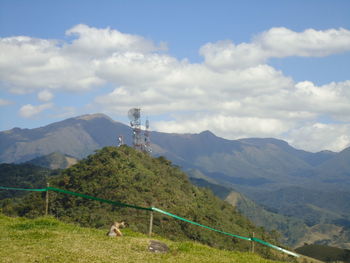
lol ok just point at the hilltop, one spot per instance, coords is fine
(129, 176)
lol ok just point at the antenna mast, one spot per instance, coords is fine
(134, 115)
(147, 138)
(135, 123)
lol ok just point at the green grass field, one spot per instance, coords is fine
(49, 240)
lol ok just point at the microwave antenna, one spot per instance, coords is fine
(134, 116)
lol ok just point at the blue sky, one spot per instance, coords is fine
(238, 68)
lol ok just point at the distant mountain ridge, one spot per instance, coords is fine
(246, 164)
(77, 137)
(269, 171)
(99, 130)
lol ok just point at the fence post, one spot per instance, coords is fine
(150, 224)
(252, 244)
(47, 200)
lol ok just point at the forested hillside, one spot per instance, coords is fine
(125, 175)
(22, 176)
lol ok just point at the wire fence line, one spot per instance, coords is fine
(153, 209)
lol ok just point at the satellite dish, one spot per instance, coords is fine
(134, 114)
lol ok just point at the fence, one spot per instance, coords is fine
(151, 209)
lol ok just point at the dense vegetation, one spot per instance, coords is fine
(22, 176)
(47, 239)
(129, 176)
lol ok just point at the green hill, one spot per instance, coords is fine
(129, 176)
(22, 176)
(47, 239)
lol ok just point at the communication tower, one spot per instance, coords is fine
(135, 123)
(147, 147)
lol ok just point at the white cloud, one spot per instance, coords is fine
(225, 126)
(28, 110)
(28, 64)
(283, 42)
(136, 68)
(321, 136)
(181, 87)
(282, 112)
(332, 99)
(277, 42)
(45, 95)
(258, 101)
(227, 55)
(95, 42)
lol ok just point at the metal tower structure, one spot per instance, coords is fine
(147, 146)
(135, 123)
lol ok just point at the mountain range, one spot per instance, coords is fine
(313, 188)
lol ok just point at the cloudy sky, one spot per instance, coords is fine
(237, 68)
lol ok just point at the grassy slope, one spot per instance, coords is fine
(46, 239)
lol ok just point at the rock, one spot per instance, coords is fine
(158, 247)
